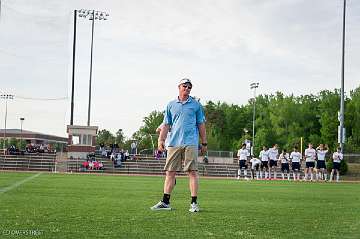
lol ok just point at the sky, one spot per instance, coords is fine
(147, 46)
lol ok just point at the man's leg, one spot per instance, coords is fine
(325, 174)
(173, 164)
(193, 183)
(190, 166)
(169, 184)
(194, 186)
(269, 172)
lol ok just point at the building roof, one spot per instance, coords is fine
(26, 134)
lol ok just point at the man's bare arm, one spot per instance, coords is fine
(202, 132)
(163, 133)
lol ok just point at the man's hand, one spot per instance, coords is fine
(161, 145)
(203, 149)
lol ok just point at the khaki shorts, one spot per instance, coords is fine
(177, 155)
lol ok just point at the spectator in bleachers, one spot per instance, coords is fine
(101, 165)
(122, 155)
(127, 155)
(117, 161)
(112, 156)
(91, 165)
(85, 164)
(103, 150)
(96, 165)
(133, 148)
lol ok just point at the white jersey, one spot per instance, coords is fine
(310, 155)
(321, 154)
(248, 148)
(273, 153)
(284, 158)
(295, 157)
(242, 154)
(254, 162)
(337, 157)
(264, 155)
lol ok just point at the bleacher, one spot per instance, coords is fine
(141, 165)
(28, 162)
(147, 165)
(151, 166)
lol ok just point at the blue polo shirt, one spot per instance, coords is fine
(184, 118)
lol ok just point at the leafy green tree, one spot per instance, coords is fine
(105, 137)
(352, 119)
(146, 135)
(328, 116)
(120, 138)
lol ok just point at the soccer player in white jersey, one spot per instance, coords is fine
(321, 151)
(242, 155)
(310, 155)
(295, 157)
(264, 157)
(337, 157)
(284, 160)
(273, 156)
(255, 163)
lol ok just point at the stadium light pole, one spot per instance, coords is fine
(73, 72)
(341, 130)
(21, 129)
(253, 86)
(5, 97)
(92, 15)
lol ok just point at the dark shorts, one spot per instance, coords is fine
(242, 164)
(295, 166)
(256, 167)
(320, 164)
(264, 164)
(285, 167)
(310, 165)
(336, 166)
(273, 163)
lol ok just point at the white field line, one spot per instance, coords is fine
(17, 184)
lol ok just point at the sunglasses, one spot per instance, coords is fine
(187, 86)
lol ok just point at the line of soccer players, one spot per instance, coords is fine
(265, 167)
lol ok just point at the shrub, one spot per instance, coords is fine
(343, 166)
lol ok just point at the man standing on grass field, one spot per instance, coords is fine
(185, 117)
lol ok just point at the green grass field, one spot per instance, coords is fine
(105, 206)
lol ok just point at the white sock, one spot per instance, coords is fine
(288, 176)
(298, 176)
(337, 177)
(245, 173)
(266, 175)
(257, 175)
(294, 176)
(331, 176)
(282, 175)
(261, 174)
(311, 176)
(239, 172)
(275, 174)
(325, 176)
(318, 176)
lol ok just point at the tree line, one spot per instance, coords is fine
(279, 118)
